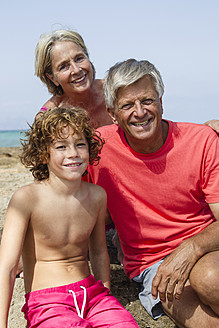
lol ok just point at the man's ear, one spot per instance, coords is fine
(161, 103)
(52, 79)
(111, 112)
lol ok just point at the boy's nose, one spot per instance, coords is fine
(72, 152)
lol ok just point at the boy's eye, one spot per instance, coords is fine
(60, 147)
(81, 144)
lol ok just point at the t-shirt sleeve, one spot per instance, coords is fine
(210, 184)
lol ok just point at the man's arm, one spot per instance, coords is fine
(98, 253)
(174, 271)
(16, 222)
(214, 124)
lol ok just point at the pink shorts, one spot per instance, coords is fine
(86, 303)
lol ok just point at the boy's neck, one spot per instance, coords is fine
(64, 187)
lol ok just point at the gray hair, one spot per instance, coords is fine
(127, 72)
(43, 62)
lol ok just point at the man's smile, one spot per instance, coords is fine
(140, 124)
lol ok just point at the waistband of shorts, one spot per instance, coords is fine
(76, 286)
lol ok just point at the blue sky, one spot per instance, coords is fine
(180, 37)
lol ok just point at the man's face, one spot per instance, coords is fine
(138, 111)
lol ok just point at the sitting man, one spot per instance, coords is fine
(162, 182)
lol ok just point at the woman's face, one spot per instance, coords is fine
(71, 68)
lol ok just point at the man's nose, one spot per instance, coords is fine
(139, 109)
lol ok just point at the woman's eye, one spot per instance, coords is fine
(79, 59)
(63, 67)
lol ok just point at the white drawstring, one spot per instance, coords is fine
(80, 313)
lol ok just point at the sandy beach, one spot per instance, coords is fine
(12, 176)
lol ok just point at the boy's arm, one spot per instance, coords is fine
(15, 227)
(98, 253)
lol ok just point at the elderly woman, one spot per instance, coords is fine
(62, 63)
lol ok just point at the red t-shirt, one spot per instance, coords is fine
(157, 200)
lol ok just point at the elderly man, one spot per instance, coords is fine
(162, 181)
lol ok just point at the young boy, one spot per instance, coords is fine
(53, 222)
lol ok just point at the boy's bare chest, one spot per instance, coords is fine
(63, 223)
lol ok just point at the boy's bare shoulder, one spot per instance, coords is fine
(25, 193)
(95, 191)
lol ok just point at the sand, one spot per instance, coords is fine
(12, 176)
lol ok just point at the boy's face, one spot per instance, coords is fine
(68, 156)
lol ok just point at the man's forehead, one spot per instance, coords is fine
(143, 85)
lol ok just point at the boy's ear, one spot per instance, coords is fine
(52, 79)
(44, 159)
(111, 113)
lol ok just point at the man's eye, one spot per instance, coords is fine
(126, 106)
(147, 101)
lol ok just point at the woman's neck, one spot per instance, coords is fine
(87, 99)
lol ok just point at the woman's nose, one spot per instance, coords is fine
(75, 68)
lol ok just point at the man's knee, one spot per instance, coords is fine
(204, 277)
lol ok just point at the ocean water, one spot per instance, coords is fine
(11, 138)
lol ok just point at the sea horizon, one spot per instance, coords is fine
(10, 138)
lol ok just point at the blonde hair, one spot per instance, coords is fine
(43, 62)
(47, 127)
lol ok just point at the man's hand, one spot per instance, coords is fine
(173, 273)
